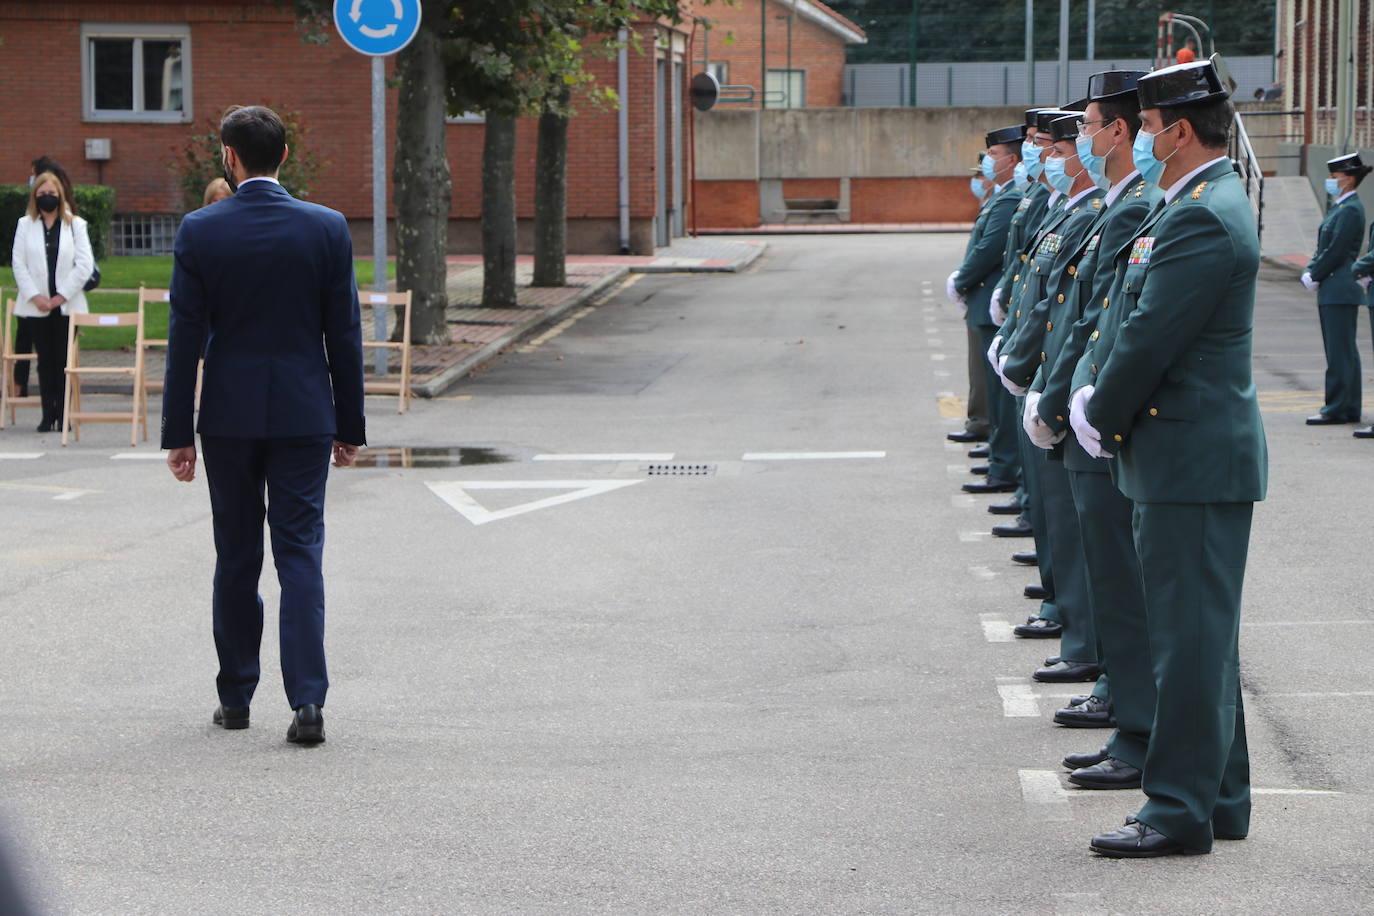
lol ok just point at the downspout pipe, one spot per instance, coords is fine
(623, 136)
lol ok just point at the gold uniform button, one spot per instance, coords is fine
(1015, 278)
(1072, 270)
(1117, 437)
(1018, 313)
(1037, 268)
(1060, 298)
(982, 284)
(1059, 418)
(1128, 284)
(1154, 411)
(1043, 357)
(1094, 368)
(1095, 334)
(1105, 301)
(1049, 326)
(1023, 259)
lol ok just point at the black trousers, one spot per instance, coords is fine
(23, 343)
(49, 337)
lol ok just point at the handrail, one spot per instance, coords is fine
(1243, 153)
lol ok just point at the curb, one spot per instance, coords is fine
(453, 374)
(1274, 261)
(756, 252)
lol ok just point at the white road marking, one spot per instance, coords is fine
(69, 496)
(1262, 791)
(1305, 623)
(946, 394)
(936, 356)
(455, 493)
(961, 501)
(956, 470)
(1311, 696)
(1018, 699)
(997, 630)
(138, 456)
(941, 373)
(932, 330)
(608, 456)
(973, 537)
(935, 342)
(810, 456)
(1042, 790)
(1079, 904)
(982, 572)
(20, 456)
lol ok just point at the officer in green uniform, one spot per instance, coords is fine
(1104, 514)
(1172, 397)
(1021, 357)
(976, 427)
(1338, 295)
(1363, 269)
(972, 282)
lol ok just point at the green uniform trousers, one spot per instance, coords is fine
(977, 385)
(1197, 770)
(1079, 640)
(1033, 510)
(1342, 361)
(1105, 519)
(1004, 461)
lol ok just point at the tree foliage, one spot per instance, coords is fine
(199, 160)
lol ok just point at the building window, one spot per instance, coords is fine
(467, 117)
(143, 233)
(785, 89)
(720, 69)
(135, 72)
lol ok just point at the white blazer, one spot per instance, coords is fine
(30, 264)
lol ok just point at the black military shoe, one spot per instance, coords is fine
(967, 436)
(1091, 713)
(979, 452)
(1025, 558)
(979, 470)
(1138, 841)
(1366, 433)
(1067, 672)
(1020, 528)
(1038, 628)
(307, 727)
(230, 716)
(990, 484)
(1109, 774)
(1036, 592)
(1324, 420)
(1078, 761)
(1008, 508)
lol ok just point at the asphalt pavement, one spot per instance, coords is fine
(676, 608)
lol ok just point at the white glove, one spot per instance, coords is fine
(996, 312)
(950, 292)
(992, 351)
(1089, 438)
(1364, 281)
(1040, 434)
(1007, 383)
(1308, 282)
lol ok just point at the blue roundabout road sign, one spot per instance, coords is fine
(377, 27)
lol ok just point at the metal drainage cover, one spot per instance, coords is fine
(679, 470)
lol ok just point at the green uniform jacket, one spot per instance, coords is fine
(1338, 245)
(1056, 256)
(1115, 227)
(1012, 295)
(983, 256)
(1024, 222)
(1175, 394)
(1364, 267)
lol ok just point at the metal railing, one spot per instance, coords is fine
(1243, 154)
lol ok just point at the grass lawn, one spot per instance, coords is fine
(156, 272)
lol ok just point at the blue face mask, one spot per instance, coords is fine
(1333, 187)
(989, 170)
(1056, 176)
(980, 190)
(1096, 165)
(1143, 155)
(1030, 155)
(1019, 177)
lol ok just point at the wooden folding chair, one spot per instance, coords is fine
(150, 382)
(381, 304)
(8, 360)
(72, 413)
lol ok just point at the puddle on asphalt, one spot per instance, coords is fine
(414, 456)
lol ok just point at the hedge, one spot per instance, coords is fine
(95, 203)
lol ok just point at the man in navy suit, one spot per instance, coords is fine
(263, 285)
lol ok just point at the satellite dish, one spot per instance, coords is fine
(705, 91)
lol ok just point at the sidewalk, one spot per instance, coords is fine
(837, 228)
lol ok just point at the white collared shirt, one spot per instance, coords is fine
(1177, 187)
(1341, 199)
(1119, 188)
(1054, 195)
(259, 178)
(1080, 195)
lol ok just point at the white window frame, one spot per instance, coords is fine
(720, 69)
(788, 77)
(137, 32)
(467, 117)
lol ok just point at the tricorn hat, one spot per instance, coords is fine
(1080, 105)
(1112, 84)
(1065, 128)
(1014, 134)
(1046, 116)
(1181, 84)
(1350, 164)
(1030, 115)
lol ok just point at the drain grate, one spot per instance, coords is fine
(679, 470)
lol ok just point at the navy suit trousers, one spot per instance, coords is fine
(291, 474)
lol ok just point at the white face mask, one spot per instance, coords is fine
(30, 181)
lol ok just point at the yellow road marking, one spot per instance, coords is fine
(576, 316)
(952, 407)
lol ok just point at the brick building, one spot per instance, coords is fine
(146, 75)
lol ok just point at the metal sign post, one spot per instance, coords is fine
(378, 29)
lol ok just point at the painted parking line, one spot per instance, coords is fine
(1018, 699)
(973, 537)
(936, 356)
(138, 456)
(1259, 790)
(21, 456)
(607, 456)
(982, 572)
(1044, 794)
(1305, 623)
(996, 629)
(811, 456)
(941, 373)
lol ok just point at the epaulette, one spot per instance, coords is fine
(1140, 188)
(1197, 192)
(1097, 203)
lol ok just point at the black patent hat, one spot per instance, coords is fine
(1111, 84)
(1031, 113)
(1182, 84)
(1065, 128)
(1350, 163)
(1014, 134)
(1047, 116)
(1080, 105)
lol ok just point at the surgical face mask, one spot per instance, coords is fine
(229, 176)
(1019, 177)
(1056, 176)
(980, 190)
(1143, 155)
(1333, 187)
(48, 203)
(989, 168)
(1095, 164)
(1030, 155)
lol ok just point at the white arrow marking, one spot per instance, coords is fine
(378, 33)
(356, 12)
(455, 493)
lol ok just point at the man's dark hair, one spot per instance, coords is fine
(1014, 149)
(49, 164)
(1211, 121)
(1125, 108)
(257, 135)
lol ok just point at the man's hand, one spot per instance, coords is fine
(1007, 383)
(996, 311)
(950, 292)
(182, 463)
(344, 454)
(1308, 282)
(1041, 436)
(1089, 438)
(992, 350)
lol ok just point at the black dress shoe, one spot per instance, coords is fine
(1007, 508)
(1078, 700)
(1078, 761)
(307, 727)
(231, 716)
(1138, 841)
(1017, 529)
(1037, 592)
(1038, 628)
(1366, 433)
(1025, 558)
(979, 470)
(1052, 660)
(1109, 774)
(967, 436)
(979, 452)
(990, 484)
(1093, 712)
(1067, 672)
(46, 426)
(1324, 420)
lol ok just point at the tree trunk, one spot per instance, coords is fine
(422, 183)
(498, 213)
(551, 196)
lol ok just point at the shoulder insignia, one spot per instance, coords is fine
(1024, 205)
(1140, 250)
(1097, 203)
(1197, 192)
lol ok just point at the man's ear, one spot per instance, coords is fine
(285, 151)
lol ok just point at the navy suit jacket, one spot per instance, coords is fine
(264, 283)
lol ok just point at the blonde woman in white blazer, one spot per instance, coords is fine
(52, 261)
